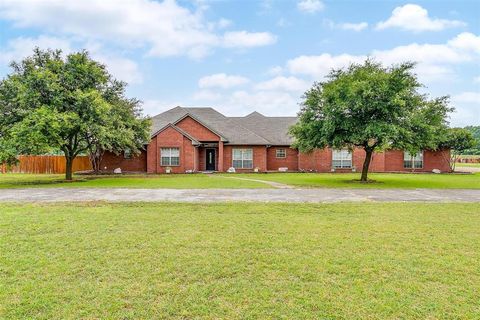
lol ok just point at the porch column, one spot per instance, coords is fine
(220, 156)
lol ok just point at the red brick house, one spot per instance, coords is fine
(202, 139)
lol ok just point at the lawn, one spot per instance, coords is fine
(180, 181)
(239, 261)
(470, 165)
(383, 180)
(204, 181)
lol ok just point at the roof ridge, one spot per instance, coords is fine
(254, 113)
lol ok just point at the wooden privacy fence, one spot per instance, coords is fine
(46, 164)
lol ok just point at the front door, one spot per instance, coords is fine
(210, 161)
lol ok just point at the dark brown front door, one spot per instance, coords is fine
(210, 160)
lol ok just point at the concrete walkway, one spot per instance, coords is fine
(262, 195)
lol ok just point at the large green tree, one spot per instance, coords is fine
(475, 149)
(51, 102)
(458, 140)
(372, 107)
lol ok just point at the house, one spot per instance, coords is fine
(203, 139)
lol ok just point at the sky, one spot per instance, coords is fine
(242, 56)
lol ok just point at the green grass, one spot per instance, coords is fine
(239, 261)
(178, 181)
(474, 165)
(469, 156)
(203, 181)
(383, 180)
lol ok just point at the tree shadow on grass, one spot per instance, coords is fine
(43, 182)
(369, 182)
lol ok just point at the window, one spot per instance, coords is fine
(342, 158)
(412, 161)
(242, 158)
(280, 153)
(127, 154)
(169, 156)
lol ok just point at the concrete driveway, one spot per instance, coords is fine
(261, 195)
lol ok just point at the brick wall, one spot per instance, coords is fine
(111, 161)
(389, 161)
(259, 157)
(377, 164)
(437, 160)
(197, 130)
(319, 160)
(431, 160)
(290, 161)
(171, 138)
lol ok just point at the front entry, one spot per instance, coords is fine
(210, 160)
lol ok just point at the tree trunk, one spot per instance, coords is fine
(94, 160)
(366, 164)
(68, 169)
(95, 155)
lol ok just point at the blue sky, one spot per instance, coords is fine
(240, 56)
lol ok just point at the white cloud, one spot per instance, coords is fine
(162, 28)
(283, 84)
(244, 39)
(221, 80)
(354, 26)
(428, 53)
(21, 47)
(476, 79)
(435, 61)
(413, 17)
(310, 6)
(467, 106)
(319, 66)
(121, 68)
(466, 41)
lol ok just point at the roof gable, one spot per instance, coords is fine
(179, 130)
(254, 129)
(188, 115)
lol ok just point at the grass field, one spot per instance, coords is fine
(383, 180)
(239, 261)
(469, 165)
(203, 181)
(180, 181)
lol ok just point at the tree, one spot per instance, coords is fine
(50, 103)
(371, 107)
(123, 132)
(457, 140)
(475, 149)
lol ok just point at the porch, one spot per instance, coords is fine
(210, 157)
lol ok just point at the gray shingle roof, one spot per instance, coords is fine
(254, 128)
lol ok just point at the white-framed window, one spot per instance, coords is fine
(412, 161)
(127, 154)
(242, 158)
(280, 153)
(342, 158)
(169, 156)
